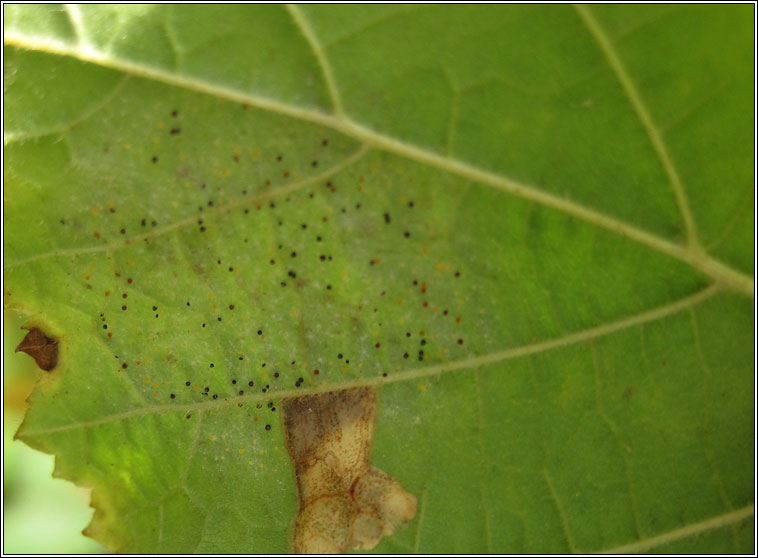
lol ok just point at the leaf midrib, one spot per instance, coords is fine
(692, 255)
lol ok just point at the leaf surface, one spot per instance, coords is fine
(529, 226)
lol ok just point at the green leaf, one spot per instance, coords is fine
(554, 204)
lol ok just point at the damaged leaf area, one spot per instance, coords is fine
(343, 501)
(318, 289)
(43, 349)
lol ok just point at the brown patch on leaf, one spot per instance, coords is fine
(43, 349)
(343, 501)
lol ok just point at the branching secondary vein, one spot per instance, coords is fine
(435, 370)
(645, 117)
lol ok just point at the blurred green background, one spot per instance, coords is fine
(41, 514)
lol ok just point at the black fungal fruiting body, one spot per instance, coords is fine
(353, 210)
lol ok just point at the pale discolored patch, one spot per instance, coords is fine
(343, 501)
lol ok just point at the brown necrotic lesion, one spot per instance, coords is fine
(43, 349)
(343, 501)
